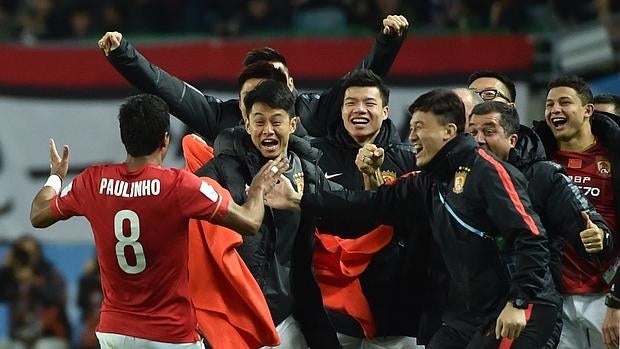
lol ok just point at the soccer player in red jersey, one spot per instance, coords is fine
(139, 215)
(584, 142)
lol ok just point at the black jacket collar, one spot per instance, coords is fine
(451, 156)
(529, 149)
(606, 128)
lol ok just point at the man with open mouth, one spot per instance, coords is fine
(584, 142)
(279, 256)
(470, 199)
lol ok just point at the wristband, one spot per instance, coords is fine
(55, 182)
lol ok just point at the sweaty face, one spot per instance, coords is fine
(363, 112)
(270, 129)
(427, 136)
(490, 134)
(487, 87)
(247, 86)
(565, 114)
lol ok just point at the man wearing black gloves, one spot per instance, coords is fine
(471, 199)
(208, 115)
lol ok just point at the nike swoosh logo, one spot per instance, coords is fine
(329, 176)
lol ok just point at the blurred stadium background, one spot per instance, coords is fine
(54, 82)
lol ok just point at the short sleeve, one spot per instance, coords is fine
(68, 202)
(202, 198)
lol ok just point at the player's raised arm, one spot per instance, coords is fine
(40, 212)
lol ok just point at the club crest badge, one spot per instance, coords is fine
(604, 168)
(298, 178)
(388, 176)
(459, 179)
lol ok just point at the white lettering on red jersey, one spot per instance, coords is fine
(140, 227)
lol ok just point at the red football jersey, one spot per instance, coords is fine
(591, 172)
(140, 226)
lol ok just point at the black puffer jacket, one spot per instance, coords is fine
(279, 255)
(486, 195)
(207, 115)
(610, 135)
(390, 283)
(340, 149)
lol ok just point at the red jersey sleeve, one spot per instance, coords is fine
(68, 202)
(202, 198)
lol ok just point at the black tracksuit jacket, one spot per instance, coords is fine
(207, 115)
(388, 282)
(493, 200)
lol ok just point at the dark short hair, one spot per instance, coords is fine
(143, 120)
(608, 98)
(261, 70)
(510, 85)
(510, 118)
(273, 93)
(576, 83)
(445, 104)
(264, 54)
(366, 78)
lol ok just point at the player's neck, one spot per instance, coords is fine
(370, 139)
(136, 163)
(579, 143)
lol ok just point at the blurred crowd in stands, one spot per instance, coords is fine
(30, 21)
(35, 293)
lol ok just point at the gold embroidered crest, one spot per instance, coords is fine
(459, 179)
(298, 178)
(604, 168)
(388, 176)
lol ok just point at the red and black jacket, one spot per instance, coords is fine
(466, 219)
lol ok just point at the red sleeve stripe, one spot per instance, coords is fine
(217, 209)
(56, 211)
(510, 189)
(403, 176)
(411, 173)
